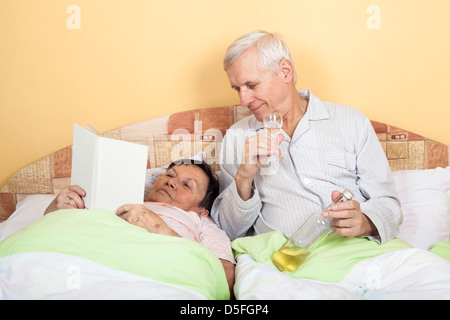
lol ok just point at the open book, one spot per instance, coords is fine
(112, 172)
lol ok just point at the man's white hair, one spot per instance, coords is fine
(270, 47)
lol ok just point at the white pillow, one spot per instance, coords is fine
(425, 201)
(150, 178)
(29, 210)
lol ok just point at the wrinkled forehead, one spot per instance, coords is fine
(191, 171)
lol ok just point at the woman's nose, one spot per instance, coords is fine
(171, 183)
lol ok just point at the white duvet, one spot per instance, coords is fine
(341, 268)
(402, 274)
(58, 276)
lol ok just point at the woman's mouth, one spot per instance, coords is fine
(166, 192)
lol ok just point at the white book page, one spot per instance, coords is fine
(121, 173)
(84, 153)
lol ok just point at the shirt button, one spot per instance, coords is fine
(306, 181)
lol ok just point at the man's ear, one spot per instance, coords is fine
(287, 70)
(202, 212)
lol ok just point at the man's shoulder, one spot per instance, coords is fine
(343, 111)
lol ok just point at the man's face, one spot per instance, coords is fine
(259, 90)
(183, 186)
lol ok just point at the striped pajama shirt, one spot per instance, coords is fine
(333, 147)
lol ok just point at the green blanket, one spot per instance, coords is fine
(442, 249)
(329, 260)
(102, 237)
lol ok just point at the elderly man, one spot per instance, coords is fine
(324, 148)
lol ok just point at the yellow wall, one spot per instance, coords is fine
(121, 61)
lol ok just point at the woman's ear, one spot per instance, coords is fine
(202, 212)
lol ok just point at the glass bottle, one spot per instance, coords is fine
(295, 250)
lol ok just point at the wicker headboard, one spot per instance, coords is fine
(186, 134)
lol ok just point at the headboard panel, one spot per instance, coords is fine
(187, 133)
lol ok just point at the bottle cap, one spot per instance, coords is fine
(347, 194)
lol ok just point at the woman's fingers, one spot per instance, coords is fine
(72, 197)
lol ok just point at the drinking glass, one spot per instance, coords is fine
(273, 123)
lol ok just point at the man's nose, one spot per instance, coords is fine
(246, 97)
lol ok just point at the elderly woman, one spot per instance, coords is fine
(177, 205)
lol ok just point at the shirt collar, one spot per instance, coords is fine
(316, 108)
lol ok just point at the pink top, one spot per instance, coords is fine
(190, 225)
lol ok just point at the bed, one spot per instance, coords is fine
(94, 256)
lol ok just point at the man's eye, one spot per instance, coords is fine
(252, 86)
(186, 185)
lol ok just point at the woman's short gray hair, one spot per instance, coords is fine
(270, 47)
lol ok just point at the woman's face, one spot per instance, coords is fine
(183, 186)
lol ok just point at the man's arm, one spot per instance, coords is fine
(238, 205)
(232, 214)
(376, 183)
